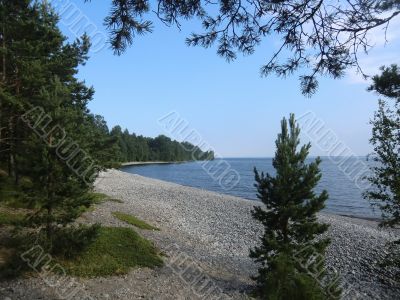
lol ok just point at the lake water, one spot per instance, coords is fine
(345, 190)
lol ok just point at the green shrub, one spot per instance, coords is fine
(65, 244)
(70, 241)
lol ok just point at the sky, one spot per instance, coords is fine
(228, 106)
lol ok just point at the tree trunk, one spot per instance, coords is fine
(16, 140)
(11, 156)
(3, 77)
(50, 199)
(49, 226)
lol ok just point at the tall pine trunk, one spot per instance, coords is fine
(11, 152)
(3, 77)
(16, 138)
(50, 198)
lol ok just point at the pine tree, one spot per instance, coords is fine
(57, 188)
(386, 141)
(291, 239)
(385, 178)
(40, 77)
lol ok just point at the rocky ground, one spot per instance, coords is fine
(205, 238)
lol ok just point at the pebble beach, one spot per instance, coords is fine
(205, 239)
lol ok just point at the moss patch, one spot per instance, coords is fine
(133, 221)
(115, 251)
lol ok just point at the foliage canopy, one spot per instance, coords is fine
(326, 36)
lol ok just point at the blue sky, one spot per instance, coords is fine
(236, 111)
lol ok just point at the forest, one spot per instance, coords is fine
(131, 147)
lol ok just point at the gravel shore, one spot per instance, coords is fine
(205, 237)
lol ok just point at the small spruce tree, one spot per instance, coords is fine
(290, 254)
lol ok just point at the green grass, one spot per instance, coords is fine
(115, 200)
(10, 218)
(95, 199)
(98, 198)
(133, 221)
(114, 251)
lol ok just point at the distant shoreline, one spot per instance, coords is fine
(170, 172)
(138, 163)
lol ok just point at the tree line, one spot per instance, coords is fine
(131, 147)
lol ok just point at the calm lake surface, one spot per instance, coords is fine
(345, 196)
